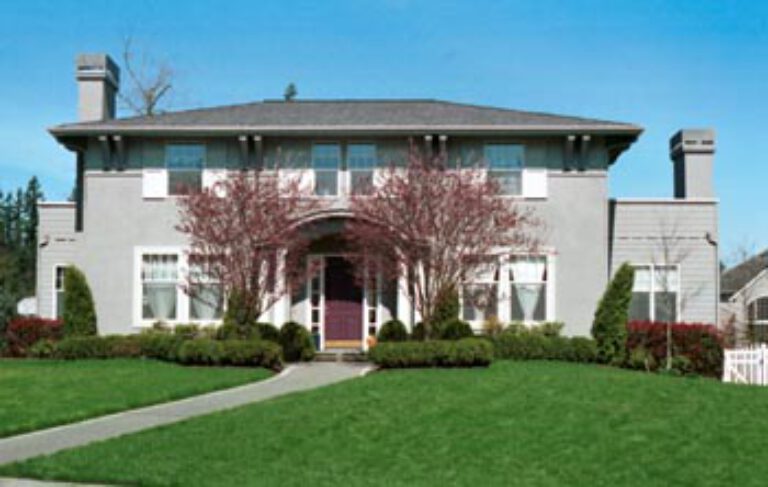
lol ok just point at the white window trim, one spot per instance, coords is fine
(503, 284)
(652, 297)
(54, 293)
(754, 302)
(182, 298)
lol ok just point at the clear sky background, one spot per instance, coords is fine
(661, 64)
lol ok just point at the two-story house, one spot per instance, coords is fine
(120, 228)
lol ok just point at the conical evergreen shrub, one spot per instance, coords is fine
(79, 314)
(609, 328)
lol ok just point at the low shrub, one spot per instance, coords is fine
(23, 332)
(701, 345)
(531, 345)
(468, 352)
(187, 332)
(296, 342)
(267, 331)
(262, 353)
(84, 347)
(158, 345)
(201, 351)
(392, 331)
(454, 329)
(549, 328)
(492, 327)
(419, 332)
(42, 349)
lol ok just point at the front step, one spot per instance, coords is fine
(341, 356)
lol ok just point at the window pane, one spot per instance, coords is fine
(362, 181)
(326, 156)
(528, 269)
(760, 309)
(59, 304)
(666, 306)
(479, 302)
(183, 182)
(159, 301)
(510, 182)
(185, 157)
(504, 156)
(326, 183)
(527, 300)
(642, 279)
(667, 278)
(361, 156)
(206, 302)
(640, 306)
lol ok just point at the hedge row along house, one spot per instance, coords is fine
(121, 230)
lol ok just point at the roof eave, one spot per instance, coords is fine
(102, 129)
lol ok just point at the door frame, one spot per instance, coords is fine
(321, 302)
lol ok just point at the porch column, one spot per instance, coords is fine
(403, 303)
(280, 310)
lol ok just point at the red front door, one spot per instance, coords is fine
(343, 305)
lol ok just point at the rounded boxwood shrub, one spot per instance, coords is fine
(267, 331)
(419, 333)
(158, 345)
(79, 313)
(201, 351)
(392, 331)
(296, 342)
(454, 329)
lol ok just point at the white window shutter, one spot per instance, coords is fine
(535, 183)
(213, 176)
(154, 183)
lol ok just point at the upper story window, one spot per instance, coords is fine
(655, 293)
(361, 162)
(185, 163)
(326, 159)
(505, 165)
(758, 311)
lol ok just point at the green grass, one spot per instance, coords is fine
(38, 393)
(516, 423)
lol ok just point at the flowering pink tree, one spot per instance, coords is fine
(244, 237)
(432, 227)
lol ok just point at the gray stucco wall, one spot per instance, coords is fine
(57, 245)
(686, 232)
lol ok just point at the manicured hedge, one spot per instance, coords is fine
(468, 352)
(454, 329)
(696, 347)
(196, 351)
(537, 346)
(23, 332)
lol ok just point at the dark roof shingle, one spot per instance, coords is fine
(351, 114)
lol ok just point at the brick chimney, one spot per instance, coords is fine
(692, 152)
(98, 81)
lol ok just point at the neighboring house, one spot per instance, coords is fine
(120, 231)
(744, 299)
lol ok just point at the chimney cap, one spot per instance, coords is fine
(687, 141)
(97, 66)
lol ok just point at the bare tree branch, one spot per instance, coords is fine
(149, 81)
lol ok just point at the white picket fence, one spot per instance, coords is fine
(746, 366)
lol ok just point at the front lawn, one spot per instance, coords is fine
(516, 423)
(38, 393)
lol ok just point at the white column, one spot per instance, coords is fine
(280, 309)
(403, 303)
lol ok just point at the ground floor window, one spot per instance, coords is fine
(58, 290)
(512, 289)
(655, 293)
(159, 284)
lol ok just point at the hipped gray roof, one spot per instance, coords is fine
(372, 116)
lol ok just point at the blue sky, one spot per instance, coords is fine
(661, 64)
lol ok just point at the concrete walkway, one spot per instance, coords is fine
(294, 378)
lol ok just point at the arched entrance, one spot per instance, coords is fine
(340, 304)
